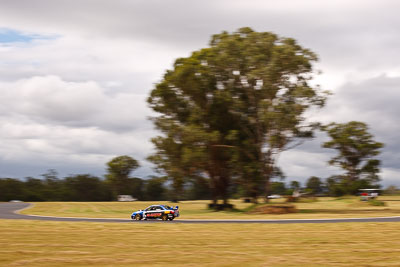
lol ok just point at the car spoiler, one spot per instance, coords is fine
(176, 207)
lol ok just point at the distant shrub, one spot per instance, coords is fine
(274, 209)
(219, 207)
(302, 199)
(291, 199)
(374, 202)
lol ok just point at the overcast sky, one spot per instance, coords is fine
(74, 75)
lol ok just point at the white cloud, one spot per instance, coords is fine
(53, 122)
(299, 164)
(390, 177)
(51, 98)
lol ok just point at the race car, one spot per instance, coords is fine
(162, 212)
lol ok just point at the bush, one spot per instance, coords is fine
(274, 209)
(374, 202)
(302, 199)
(291, 199)
(219, 207)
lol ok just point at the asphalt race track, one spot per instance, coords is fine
(9, 211)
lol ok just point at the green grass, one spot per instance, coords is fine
(374, 202)
(45, 243)
(345, 207)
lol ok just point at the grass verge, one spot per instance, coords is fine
(41, 243)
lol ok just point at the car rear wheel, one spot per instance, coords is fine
(164, 217)
(171, 218)
(138, 217)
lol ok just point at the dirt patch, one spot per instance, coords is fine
(274, 209)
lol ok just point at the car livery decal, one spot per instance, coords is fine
(153, 214)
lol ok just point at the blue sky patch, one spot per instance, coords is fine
(13, 36)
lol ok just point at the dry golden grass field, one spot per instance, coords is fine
(46, 243)
(326, 207)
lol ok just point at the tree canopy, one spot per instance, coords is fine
(314, 184)
(119, 169)
(356, 152)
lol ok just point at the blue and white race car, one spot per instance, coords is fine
(162, 212)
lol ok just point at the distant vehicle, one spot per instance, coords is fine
(162, 212)
(15, 200)
(274, 196)
(126, 198)
(367, 194)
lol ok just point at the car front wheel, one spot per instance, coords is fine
(138, 217)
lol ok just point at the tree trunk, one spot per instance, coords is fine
(219, 174)
(224, 187)
(264, 160)
(268, 168)
(213, 188)
(267, 190)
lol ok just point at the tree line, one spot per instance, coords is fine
(86, 187)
